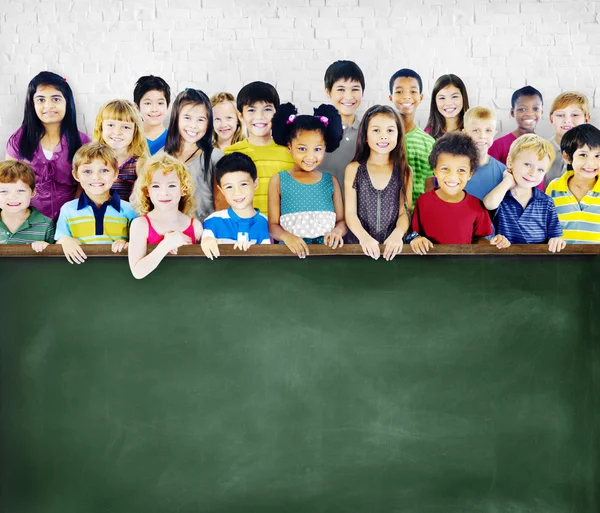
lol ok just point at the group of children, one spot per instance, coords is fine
(248, 170)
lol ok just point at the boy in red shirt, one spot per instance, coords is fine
(448, 214)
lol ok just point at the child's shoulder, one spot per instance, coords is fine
(241, 146)
(473, 202)
(36, 217)
(127, 209)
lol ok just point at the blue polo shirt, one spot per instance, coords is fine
(228, 228)
(535, 224)
(83, 220)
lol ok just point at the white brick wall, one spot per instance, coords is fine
(102, 47)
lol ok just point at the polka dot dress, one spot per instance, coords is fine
(377, 210)
(307, 209)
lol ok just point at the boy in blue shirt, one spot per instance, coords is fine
(241, 224)
(525, 214)
(97, 216)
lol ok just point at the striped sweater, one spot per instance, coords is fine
(37, 227)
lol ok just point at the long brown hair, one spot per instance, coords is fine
(436, 122)
(397, 155)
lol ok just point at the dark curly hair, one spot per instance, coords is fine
(455, 143)
(285, 127)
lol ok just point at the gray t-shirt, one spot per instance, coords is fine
(205, 203)
(335, 163)
(559, 166)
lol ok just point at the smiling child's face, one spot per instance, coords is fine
(566, 118)
(382, 134)
(164, 190)
(586, 162)
(307, 150)
(50, 104)
(257, 118)
(238, 189)
(406, 95)
(449, 101)
(346, 96)
(96, 179)
(118, 134)
(225, 120)
(528, 169)
(528, 112)
(452, 173)
(482, 131)
(193, 122)
(153, 108)
(15, 197)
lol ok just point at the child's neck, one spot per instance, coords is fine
(484, 159)
(186, 150)
(263, 140)
(244, 213)
(98, 199)
(450, 198)
(348, 120)
(522, 194)
(171, 215)
(52, 130)
(521, 131)
(13, 220)
(583, 183)
(451, 124)
(153, 132)
(409, 122)
(123, 155)
(224, 143)
(558, 138)
(378, 159)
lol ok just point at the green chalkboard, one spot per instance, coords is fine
(424, 385)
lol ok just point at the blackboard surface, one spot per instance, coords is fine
(424, 385)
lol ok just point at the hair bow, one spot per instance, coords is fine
(290, 119)
(323, 119)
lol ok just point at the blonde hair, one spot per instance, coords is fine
(123, 110)
(533, 142)
(481, 113)
(95, 151)
(571, 98)
(166, 163)
(11, 171)
(225, 97)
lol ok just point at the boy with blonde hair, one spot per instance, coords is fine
(568, 110)
(21, 223)
(525, 214)
(97, 216)
(480, 125)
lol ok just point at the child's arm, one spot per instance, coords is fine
(554, 230)
(419, 244)
(294, 243)
(71, 247)
(369, 245)
(496, 195)
(334, 238)
(209, 243)
(394, 243)
(142, 265)
(40, 245)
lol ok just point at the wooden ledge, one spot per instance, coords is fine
(280, 250)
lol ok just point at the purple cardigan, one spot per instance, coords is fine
(54, 182)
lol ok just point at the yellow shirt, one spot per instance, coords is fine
(269, 160)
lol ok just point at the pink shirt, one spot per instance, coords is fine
(54, 182)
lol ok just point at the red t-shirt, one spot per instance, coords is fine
(450, 223)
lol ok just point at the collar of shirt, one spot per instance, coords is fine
(239, 219)
(34, 215)
(354, 125)
(85, 201)
(562, 185)
(535, 196)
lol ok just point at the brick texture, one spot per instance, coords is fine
(495, 46)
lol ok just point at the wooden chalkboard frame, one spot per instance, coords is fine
(280, 250)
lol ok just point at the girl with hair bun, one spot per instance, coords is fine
(305, 204)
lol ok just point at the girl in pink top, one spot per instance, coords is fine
(163, 195)
(47, 141)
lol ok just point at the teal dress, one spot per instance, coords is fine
(307, 210)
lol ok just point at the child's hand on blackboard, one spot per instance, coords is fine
(334, 239)
(421, 245)
(210, 247)
(370, 248)
(500, 241)
(296, 245)
(72, 250)
(556, 244)
(393, 245)
(39, 246)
